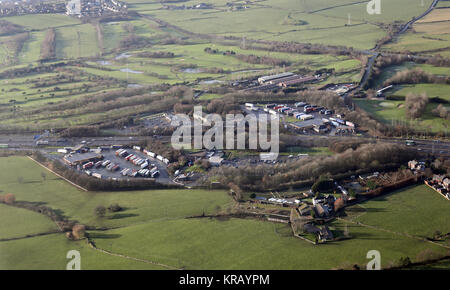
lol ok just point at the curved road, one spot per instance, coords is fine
(375, 53)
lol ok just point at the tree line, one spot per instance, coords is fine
(302, 172)
(48, 45)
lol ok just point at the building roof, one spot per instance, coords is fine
(273, 77)
(81, 157)
(215, 159)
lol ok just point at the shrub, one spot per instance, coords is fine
(114, 207)
(78, 231)
(9, 198)
(100, 211)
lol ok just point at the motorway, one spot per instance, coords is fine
(24, 142)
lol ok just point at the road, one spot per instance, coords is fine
(408, 25)
(21, 142)
(27, 141)
(374, 53)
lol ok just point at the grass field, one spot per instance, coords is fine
(336, 22)
(250, 244)
(153, 227)
(17, 222)
(78, 205)
(432, 90)
(430, 35)
(49, 253)
(76, 41)
(416, 210)
(393, 112)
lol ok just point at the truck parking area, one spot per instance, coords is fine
(120, 163)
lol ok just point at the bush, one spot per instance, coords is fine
(78, 231)
(115, 207)
(100, 211)
(323, 184)
(9, 198)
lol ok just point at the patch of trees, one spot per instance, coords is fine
(8, 198)
(216, 51)
(439, 61)
(442, 111)
(163, 149)
(100, 211)
(28, 70)
(8, 28)
(78, 232)
(382, 62)
(222, 107)
(416, 76)
(48, 45)
(119, 101)
(302, 48)
(81, 131)
(132, 40)
(339, 146)
(15, 45)
(323, 184)
(215, 70)
(156, 54)
(183, 108)
(415, 105)
(267, 60)
(391, 30)
(441, 165)
(174, 166)
(303, 172)
(157, 130)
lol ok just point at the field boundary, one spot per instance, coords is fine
(60, 176)
(30, 236)
(92, 245)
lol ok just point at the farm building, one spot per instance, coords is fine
(215, 160)
(265, 79)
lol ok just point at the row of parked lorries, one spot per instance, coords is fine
(147, 169)
(296, 111)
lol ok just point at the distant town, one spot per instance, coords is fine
(76, 8)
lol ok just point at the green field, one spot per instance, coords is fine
(416, 210)
(78, 205)
(393, 112)
(325, 22)
(49, 253)
(18, 222)
(153, 227)
(430, 35)
(432, 90)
